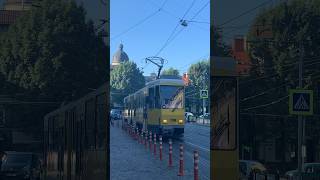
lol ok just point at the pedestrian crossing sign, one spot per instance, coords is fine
(300, 102)
(203, 94)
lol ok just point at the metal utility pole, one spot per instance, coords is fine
(300, 117)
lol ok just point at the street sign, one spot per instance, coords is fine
(300, 102)
(203, 94)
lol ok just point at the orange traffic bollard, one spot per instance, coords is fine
(160, 148)
(150, 141)
(155, 144)
(170, 153)
(142, 139)
(146, 140)
(181, 161)
(196, 165)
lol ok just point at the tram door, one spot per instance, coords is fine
(145, 109)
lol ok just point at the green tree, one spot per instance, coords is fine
(199, 74)
(124, 80)
(219, 48)
(292, 23)
(53, 52)
(171, 71)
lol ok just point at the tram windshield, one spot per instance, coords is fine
(171, 97)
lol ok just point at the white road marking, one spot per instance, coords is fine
(203, 148)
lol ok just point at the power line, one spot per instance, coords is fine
(244, 13)
(271, 115)
(163, 4)
(174, 30)
(262, 93)
(285, 65)
(271, 89)
(201, 9)
(275, 74)
(262, 77)
(169, 40)
(137, 24)
(188, 9)
(268, 104)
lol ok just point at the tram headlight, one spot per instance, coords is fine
(165, 121)
(180, 121)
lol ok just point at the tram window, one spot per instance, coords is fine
(151, 97)
(171, 97)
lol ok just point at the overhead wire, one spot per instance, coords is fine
(273, 102)
(263, 93)
(267, 104)
(184, 15)
(174, 30)
(169, 40)
(274, 74)
(245, 13)
(162, 8)
(137, 24)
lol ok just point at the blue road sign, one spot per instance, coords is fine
(301, 102)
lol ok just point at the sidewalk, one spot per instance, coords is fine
(130, 160)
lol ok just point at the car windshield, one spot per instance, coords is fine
(171, 97)
(17, 159)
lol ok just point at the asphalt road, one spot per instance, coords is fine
(196, 138)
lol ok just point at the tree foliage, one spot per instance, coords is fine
(53, 51)
(199, 74)
(124, 80)
(293, 24)
(219, 48)
(171, 71)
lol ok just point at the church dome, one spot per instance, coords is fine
(120, 56)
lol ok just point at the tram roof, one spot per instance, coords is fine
(169, 82)
(99, 90)
(174, 82)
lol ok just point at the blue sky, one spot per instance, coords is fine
(146, 39)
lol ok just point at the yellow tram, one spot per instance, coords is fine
(158, 107)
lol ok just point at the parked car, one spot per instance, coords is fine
(20, 165)
(247, 167)
(205, 116)
(311, 171)
(116, 114)
(189, 117)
